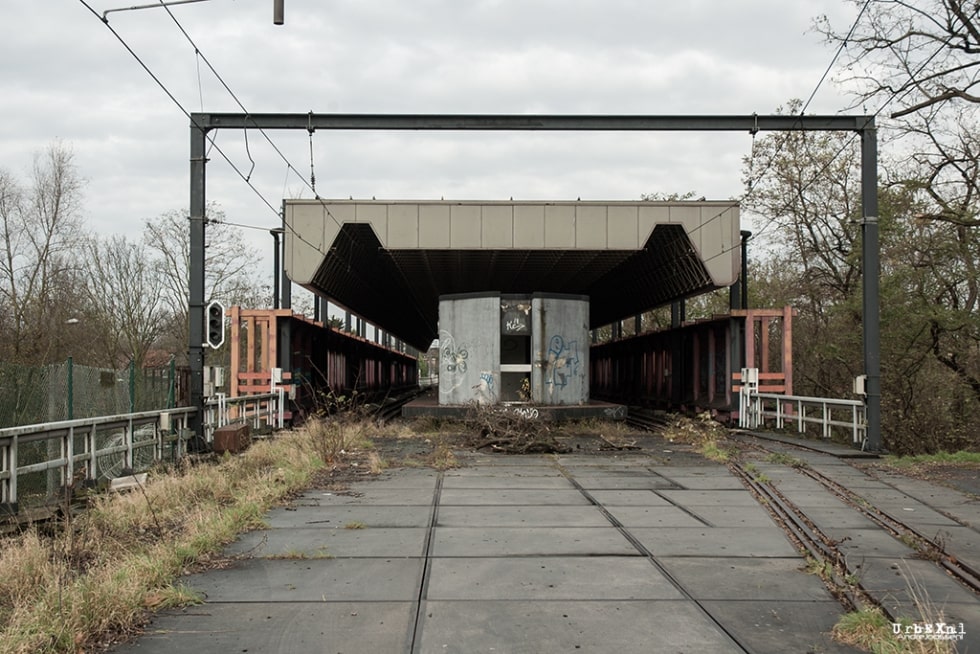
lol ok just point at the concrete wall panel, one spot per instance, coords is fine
(622, 227)
(498, 226)
(560, 351)
(469, 349)
(529, 226)
(559, 226)
(590, 226)
(464, 226)
(434, 226)
(403, 226)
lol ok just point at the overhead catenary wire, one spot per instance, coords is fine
(312, 181)
(208, 135)
(241, 106)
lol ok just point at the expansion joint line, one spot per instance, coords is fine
(416, 640)
(645, 551)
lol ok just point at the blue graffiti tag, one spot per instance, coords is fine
(562, 361)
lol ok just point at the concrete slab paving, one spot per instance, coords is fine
(654, 516)
(620, 482)
(521, 516)
(279, 628)
(366, 495)
(709, 470)
(506, 482)
(530, 541)
(313, 580)
(710, 497)
(489, 497)
(372, 542)
(549, 578)
(916, 514)
(521, 561)
(716, 541)
(511, 471)
(840, 518)
(857, 543)
(420, 478)
(906, 584)
(723, 516)
(628, 498)
(783, 626)
(635, 627)
(340, 516)
(771, 578)
(691, 482)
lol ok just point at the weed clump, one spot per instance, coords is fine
(704, 433)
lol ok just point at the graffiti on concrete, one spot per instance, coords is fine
(485, 391)
(516, 317)
(452, 362)
(526, 412)
(563, 361)
(615, 412)
(453, 358)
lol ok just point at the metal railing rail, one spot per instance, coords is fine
(86, 449)
(268, 408)
(51, 456)
(756, 408)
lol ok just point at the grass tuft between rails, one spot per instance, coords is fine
(92, 579)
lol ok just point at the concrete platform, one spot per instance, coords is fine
(509, 555)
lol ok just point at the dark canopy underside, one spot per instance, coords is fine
(399, 289)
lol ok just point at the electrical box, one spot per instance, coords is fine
(277, 375)
(750, 375)
(860, 385)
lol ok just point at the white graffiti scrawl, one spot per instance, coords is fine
(452, 361)
(563, 361)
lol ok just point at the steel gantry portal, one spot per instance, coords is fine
(203, 123)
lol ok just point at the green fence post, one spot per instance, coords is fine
(71, 389)
(132, 386)
(172, 383)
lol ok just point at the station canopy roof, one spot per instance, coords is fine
(389, 261)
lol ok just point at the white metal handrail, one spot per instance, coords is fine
(268, 408)
(756, 408)
(93, 448)
(72, 450)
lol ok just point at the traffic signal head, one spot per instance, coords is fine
(214, 325)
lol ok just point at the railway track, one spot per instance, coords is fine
(933, 549)
(647, 419)
(822, 550)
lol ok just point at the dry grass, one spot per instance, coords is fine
(92, 580)
(334, 436)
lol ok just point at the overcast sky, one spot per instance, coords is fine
(65, 76)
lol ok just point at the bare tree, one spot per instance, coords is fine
(921, 60)
(229, 267)
(923, 54)
(124, 292)
(41, 225)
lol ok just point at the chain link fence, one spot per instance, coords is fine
(38, 394)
